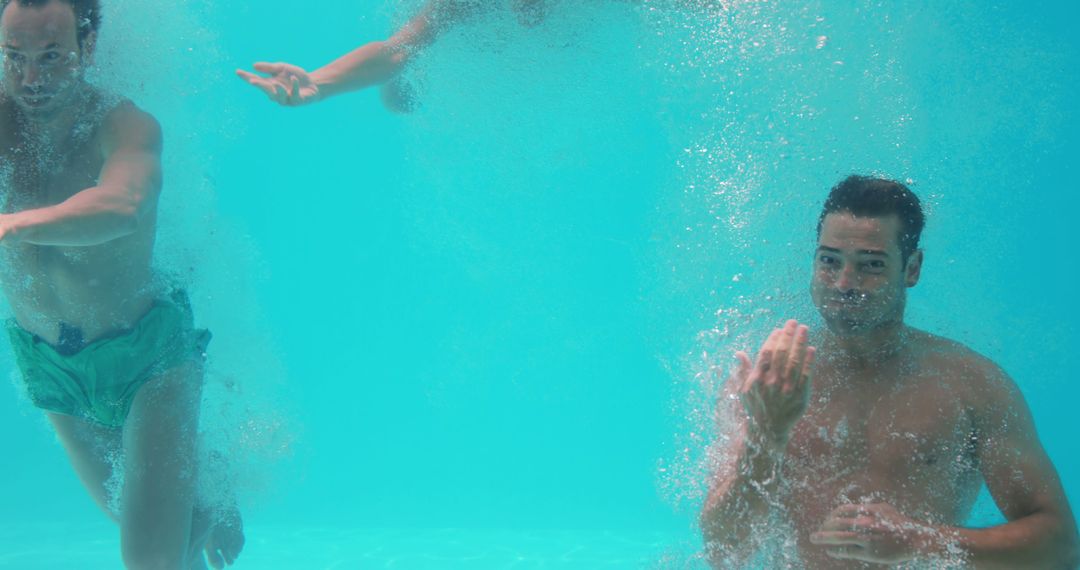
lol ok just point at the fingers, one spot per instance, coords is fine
(785, 359)
(261, 83)
(860, 524)
(256, 80)
(852, 510)
(850, 517)
(742, 371)
(277, 94)
(283, 87)
(215, 559)
(269, 86)
(799, 341)
(782, 351)
(294, 91)
(838, 538)
(271, 68)
(248, 76)
(765, 355)
(806, 377)
(849, 552)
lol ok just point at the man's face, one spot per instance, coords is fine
(43, 62)
(860, 279)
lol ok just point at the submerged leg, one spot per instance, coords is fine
(160, 471)
(93, 450)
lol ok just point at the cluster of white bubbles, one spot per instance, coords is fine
(772, 104)
(714, 59)
(761, 102)
(164, 56)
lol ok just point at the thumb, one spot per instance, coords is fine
(742, 371)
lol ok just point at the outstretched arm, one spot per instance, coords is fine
(371, 64)
(125, 194)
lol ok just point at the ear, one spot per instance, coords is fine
(914, 269)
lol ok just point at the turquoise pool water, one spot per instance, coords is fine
(474, 336)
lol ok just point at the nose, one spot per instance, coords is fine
(31, 75)
(845, 279)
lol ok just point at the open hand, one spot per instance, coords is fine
(873, 533)
(775, 390)
(286, 84)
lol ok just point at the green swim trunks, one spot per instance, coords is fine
(99, 381)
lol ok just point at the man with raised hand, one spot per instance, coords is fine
(378, 63)
(105, 347)
(873, 445)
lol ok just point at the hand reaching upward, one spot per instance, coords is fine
(775, 389)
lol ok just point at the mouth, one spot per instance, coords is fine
(36, 101)
(846, 304)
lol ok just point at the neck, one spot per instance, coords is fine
(869, 348)
(55, 129)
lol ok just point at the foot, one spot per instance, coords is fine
(220, 535)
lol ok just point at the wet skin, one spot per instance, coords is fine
(80, 175)
(876, 442)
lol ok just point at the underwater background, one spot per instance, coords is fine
(484, 334)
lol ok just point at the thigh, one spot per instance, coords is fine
(94, 452)
(159, 439)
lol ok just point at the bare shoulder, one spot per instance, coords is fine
(127, 126)
(949, 355)
(982, 382)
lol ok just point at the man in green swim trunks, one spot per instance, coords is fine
(108, 351)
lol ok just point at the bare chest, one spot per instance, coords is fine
(910, 446)
(52, 282)
(35, 174)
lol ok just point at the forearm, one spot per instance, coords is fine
(368, 65)
(87, 218)
(738, 506)
(1038, 541)
(376, 63)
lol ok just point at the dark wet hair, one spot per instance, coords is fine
(87, 14)
(878, 197)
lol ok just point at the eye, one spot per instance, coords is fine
(51, 56)
(875, 266)
(14, 57)
(828, 261)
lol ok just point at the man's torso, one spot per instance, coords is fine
(96, 289)
(904, 434)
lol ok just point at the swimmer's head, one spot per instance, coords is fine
(865, 196)
(867, 255)
(46, 45)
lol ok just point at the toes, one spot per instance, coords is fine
(214, 558)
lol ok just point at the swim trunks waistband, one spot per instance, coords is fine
(98, 381)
